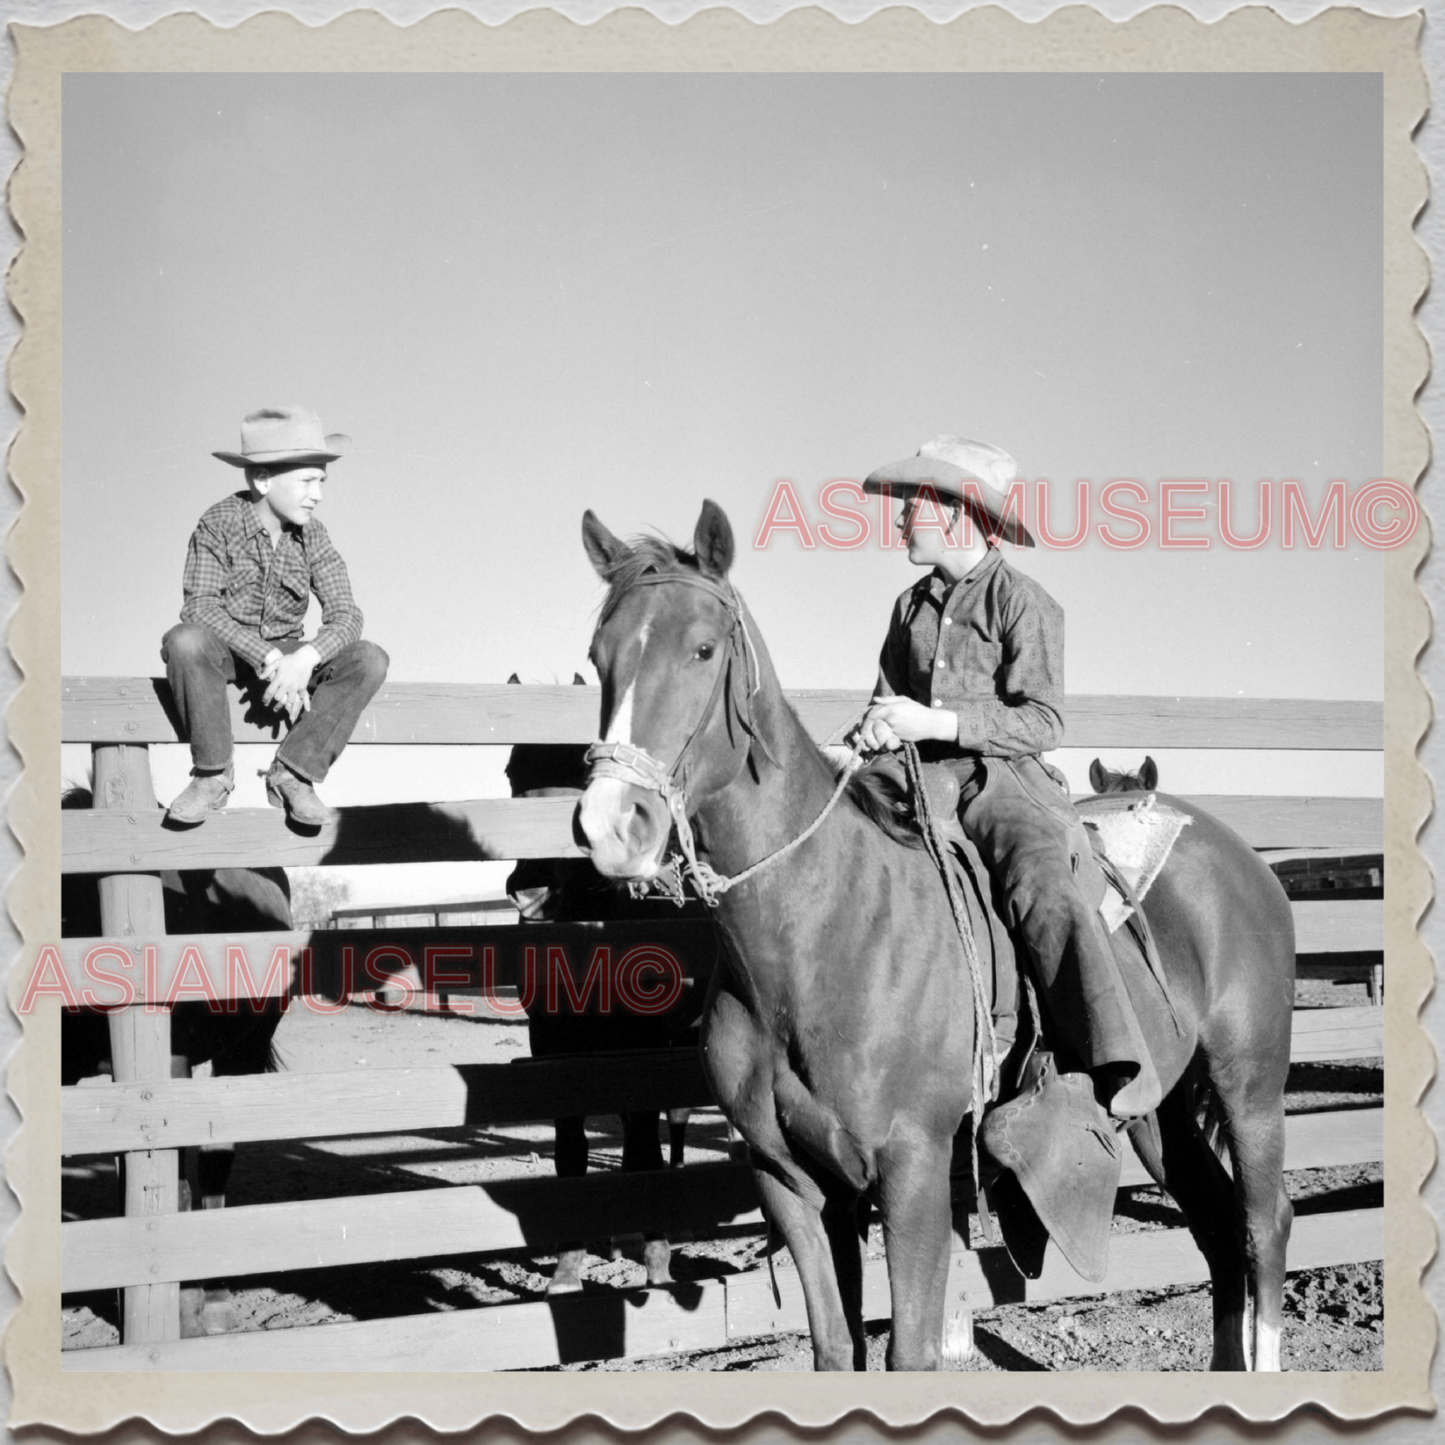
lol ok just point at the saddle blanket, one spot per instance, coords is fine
(1136, 832)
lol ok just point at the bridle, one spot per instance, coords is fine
(638, 767)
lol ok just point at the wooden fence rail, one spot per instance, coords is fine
(496, 957)
(178, 1113)
(148, 1117)
(139, 710)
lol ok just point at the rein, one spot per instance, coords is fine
(637, 766)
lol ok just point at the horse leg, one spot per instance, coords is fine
(642, 1150)
(800, 1222)
(845, 1221)
(1256, 1136)
(677, 1136)
(569, 1157)
(213, 1173)
(917, 1230)
(1204, 1192)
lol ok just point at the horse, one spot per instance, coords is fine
(221, 900)
(569, 890)
(1105, 780)
(839, 1027)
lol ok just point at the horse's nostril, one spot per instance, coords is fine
(641, 833)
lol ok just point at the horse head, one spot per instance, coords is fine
(679, 668)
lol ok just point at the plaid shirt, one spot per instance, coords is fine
(253, 595)
(991, 647)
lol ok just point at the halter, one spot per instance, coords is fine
(638, 767)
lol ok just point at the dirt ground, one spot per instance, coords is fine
(1334, 1317)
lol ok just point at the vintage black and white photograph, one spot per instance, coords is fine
(722, 722)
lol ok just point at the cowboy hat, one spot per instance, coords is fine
(956, 470)
(284, 436)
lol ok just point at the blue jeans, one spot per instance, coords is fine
(199, 665)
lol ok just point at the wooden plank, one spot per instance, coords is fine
(252, 1108)
(409, 1224)
(638, 1323)
(249, 1108)
(1318, 1034)
(138, 709)
(1355, 925)
(1311, 1141)
(1345, 824)
(140, 1040)
(493, 828)
(270, 965)
(607, 1325)
(94, 842)
(1146, 1260)
(1352, 929)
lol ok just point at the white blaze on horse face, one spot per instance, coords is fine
(604, 812)
(620, 728)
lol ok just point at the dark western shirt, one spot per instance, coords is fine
(253, 595)
(990, 647)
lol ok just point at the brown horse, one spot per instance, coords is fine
(839, 1027)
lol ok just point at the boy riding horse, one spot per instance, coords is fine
(972, 670)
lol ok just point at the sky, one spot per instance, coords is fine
(527, 295)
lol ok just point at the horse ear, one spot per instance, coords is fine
(1149, 775)
(1098, 776)
(712, 540)
(605, 550)
(578, 680)
(514, 681)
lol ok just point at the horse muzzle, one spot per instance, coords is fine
(626, 828)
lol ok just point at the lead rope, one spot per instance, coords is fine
(710, 884)
(985, 1061)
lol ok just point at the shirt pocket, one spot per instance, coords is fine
(243, 581)
(293, 580)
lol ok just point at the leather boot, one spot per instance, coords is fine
(288, 790)
(205, 793)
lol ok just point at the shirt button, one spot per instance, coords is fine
(941, 663)
(948, 622)
(937, 702)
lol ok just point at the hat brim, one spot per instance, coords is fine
(948, 482)
(337, 442)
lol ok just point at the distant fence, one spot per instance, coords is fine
(148, 1116)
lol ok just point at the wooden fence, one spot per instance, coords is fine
(148, 1116)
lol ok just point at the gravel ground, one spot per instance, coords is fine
(1334, 1317)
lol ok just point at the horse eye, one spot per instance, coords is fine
(705, 652)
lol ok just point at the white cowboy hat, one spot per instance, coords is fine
(945, 464)
(284, 436)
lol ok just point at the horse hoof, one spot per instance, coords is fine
(656, 1256)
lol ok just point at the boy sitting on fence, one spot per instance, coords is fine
(253, 562)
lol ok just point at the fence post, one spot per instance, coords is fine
(132, 905)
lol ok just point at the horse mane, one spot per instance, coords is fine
(880, 799)
(644, 554)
